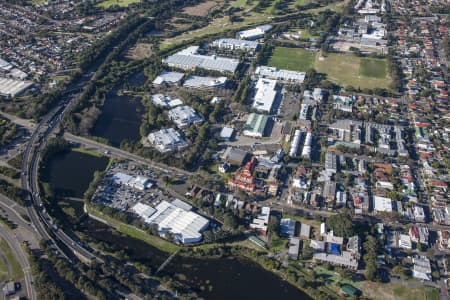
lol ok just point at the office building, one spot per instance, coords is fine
(279, 74)
(253, 34)
(235, 44)
(183, 116)
(167, 140)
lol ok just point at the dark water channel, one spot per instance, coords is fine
(215, 279)
(121, 115)
(71, 172)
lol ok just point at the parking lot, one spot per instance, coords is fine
(122, 196)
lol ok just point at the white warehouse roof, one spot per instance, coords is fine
(185, 225)
(189, 59)
(285, 75)
(143, 210)
(254, 33)
(12, 87)
(138, 182)
(204, 81)
(265, 94)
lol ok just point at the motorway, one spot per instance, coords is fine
(40, 220)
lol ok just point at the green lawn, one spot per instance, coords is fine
(424, 292)
(306, 34)
(3, 271)
(348, 69)
(239, 3)
(300, 2)
(278, 244)
(372, 67)
(16, 269)
(294, 59)
(218, 25)
(132, 231)
(155, 241)
(88, 152)
(121, 3)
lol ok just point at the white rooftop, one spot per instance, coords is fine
(184, 116)
(226, 132)
(382, 204)
(235, 43)
(204, 81)
(190, 59)
(166, 140)
(254, 33)
(143, 210)
(168, 77)
(165, 101)
(279, 74)
(187, 226)
(265, 94)
(12, 87)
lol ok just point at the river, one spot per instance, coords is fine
(121, 115)
(71, 172)
(216, 279)
(234, 278)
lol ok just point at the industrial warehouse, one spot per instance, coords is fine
(256, 125)
(265, 95)
(175, 217)
(255, 33)
(189, 59)
(11, 87)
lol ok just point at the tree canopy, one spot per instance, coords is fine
(341, 224)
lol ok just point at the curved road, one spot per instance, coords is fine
(14, 244)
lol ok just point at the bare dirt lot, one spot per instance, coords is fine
(140, 51)
(344, 46)
(201, 9)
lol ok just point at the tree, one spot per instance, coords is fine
(371, 271)
(170, 236)
(154, 229)
(274, 225)
(341, 224)
(419, 247)
(230, 221)
(400, 271)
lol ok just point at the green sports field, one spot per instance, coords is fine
(372, 67)
(295, 59)
(344, 69)
(348, 69)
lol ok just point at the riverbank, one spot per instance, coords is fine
(131, 231)
(208, 251)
